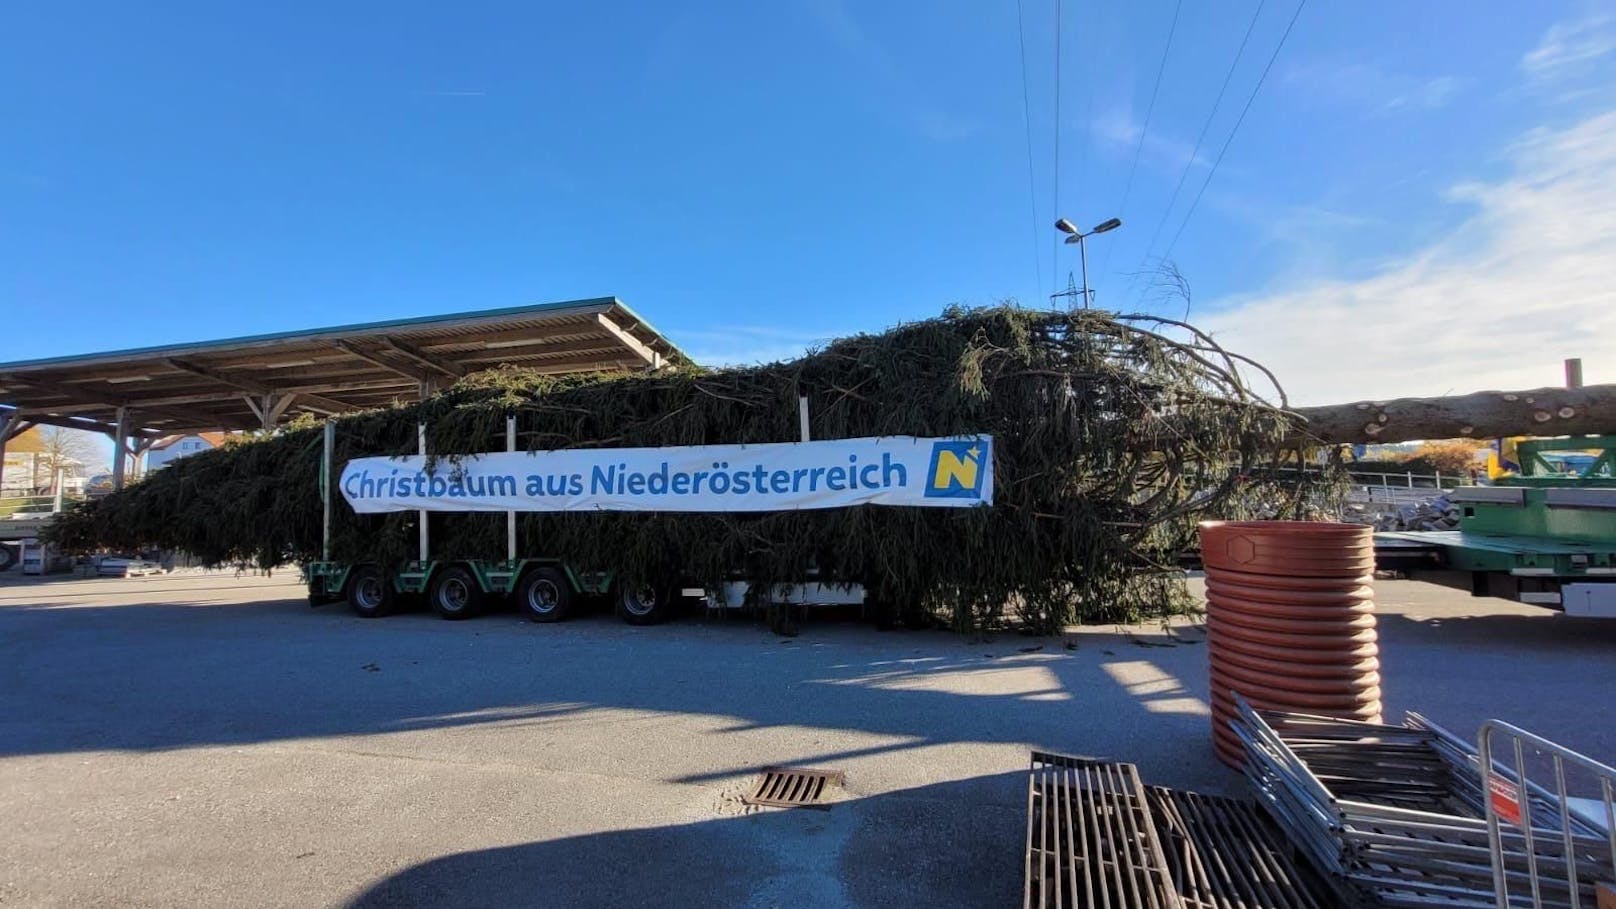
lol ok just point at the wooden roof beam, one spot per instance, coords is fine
(375, 360)
(422, 357)
(79, 398)
(237, 382)
(652, 358)
(90, 425)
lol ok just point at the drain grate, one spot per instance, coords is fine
(793, 787)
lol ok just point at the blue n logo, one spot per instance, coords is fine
(957, 469)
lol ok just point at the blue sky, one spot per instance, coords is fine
(753, 177)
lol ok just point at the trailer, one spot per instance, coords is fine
(953, 472)
(543, 589)
(1541, 537)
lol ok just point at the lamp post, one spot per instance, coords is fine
(1077, 236)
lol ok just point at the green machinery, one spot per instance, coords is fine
(1544, 536)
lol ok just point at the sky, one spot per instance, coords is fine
(1383, 200)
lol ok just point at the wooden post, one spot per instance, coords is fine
(120, 448)
(7, 417)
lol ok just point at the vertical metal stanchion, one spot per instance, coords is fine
(510, 516)
(802, 415)
(422, 514)
(325, 490)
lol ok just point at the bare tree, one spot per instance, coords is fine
(72, 451)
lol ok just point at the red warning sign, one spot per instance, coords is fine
(1505, 798)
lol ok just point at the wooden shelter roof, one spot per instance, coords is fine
(253, 382)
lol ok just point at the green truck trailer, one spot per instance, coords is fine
(1542, 536)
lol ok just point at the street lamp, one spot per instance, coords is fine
(1077, 236)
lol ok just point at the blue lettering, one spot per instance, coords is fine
(888, 468)
(575, 485)
(680, 484)
(404, 490)
(502, 486)
(866, 472)
(742, 484)
(636, 484)
(836, 478)
(556, 484)
(600, 480)
(695, 482)
(348, 486)
(814, 478)
(797, 476)
(780, 482)
(657, 483)
(535, 485)
(713, 483)
(439, 486)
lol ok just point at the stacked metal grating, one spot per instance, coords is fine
(1394, 815)
(1096, 837)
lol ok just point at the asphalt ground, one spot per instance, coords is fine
(210, 740)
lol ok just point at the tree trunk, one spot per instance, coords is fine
(1483, 415)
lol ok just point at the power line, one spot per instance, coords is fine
(1144, 130)
(1026, 118)
(1054, 202)
(1205, 128)
(1242, 118)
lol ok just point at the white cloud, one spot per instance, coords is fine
(1367, 85)
(1570, 48)
(1119, 131)
(1527, 279)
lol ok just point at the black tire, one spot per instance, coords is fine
(640, 603)
(544, 595)
(8, 556)
(455, 594)
(369, 594)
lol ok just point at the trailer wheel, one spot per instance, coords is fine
(369, 594)
(544, 595)
(644, 603)
(455, 594)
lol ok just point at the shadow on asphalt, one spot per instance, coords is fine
(149, 677)
(848, 855)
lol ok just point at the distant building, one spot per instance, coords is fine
(27, 468)
(171, 448)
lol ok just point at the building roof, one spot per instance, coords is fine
(212, 438)
(250, 382)
(26, 442)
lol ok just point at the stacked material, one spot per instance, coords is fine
(1290, 621)
(1097, 837)
(1394, 815)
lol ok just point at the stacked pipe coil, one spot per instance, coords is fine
(1290, 619)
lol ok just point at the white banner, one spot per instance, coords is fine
(893, 470)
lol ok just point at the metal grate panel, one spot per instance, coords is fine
(1223, 853)
(794, 787)
(1090, 838)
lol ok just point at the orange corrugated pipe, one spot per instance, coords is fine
(1290, 621)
